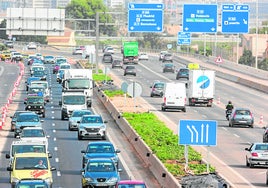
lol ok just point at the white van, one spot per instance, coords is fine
(174, 96)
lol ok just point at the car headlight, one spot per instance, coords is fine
(41, 106)
(29, 107)
(89, 179)
(103, 127)
(113, 179)
(13, 179)
(48, 180)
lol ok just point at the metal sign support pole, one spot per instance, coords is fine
(208, 151)
(186, 157)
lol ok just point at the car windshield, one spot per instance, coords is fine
(35, 100)
(37, 68)
(49, 57)
(44, 84)
(168, 65)
(65, 66)
(23, 163)
(80, 113)
(130, 67)
(38, 73)
(74, 100)
(32, 133)
(91, 119)
(100, 167)
(242, 112)
(100, 148)
(28, 149)
(31, 185)
(28, 118)
(159, 85)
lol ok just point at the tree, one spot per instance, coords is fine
(247, 58)
(263, 64)
(3, 34)
(87, 9)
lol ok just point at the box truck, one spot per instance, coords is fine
(201, 87)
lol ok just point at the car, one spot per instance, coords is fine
(39, 90)
(100, 172)
(77, 51)
(182, 73)
(29, 146)
(143, 56)
(65, 66)
(29, 80)
(14, 118)
(5, 55)
(60, 75)
(49, 59)
(161, 55)
(241, 116)
(32, 183)
(107, 58)
(40, 56)
(16, 56)
(29, 119)
(109, 49)
(75, 117)
(31, 165)
(35, 103)
(157, 88)
(257, 154)
(91, 126)
(167, 57)
(168, 67)
(34, 134)
(36, 68)
(9, 44)
(102, 149)
(57, 64)
(31, 59)
(103, 49)
(130, 70)
(117, 63)
(31, 46)
(131, 184)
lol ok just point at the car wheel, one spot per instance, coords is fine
(69, 128)
(103, 137)
(44, 115)
(184, 109)
(134, 74)
(266, 180)
(251, 165)
(247, 163)
(251, 126)
(124, 74)
(151, 95)
(163, 108)
(79, 137)
(62, 117)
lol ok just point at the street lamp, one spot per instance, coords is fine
(257, 30)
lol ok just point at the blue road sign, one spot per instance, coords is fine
(184, 38)
(198, 132)
(145, 17)
(235, 18)
(200, 18)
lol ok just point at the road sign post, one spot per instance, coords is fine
(200, 18)
(235, 18)
(145, 17)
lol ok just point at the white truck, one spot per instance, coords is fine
(201, 87)
(79, 80)
(72, 101)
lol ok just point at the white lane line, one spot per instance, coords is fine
(53, 124)
(55, 149)
(54, 139)
(54, 131)
(58, 173)
(236, 136)
(57, 160)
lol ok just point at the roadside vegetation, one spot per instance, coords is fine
(164, 143)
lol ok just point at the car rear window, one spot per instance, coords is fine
(242, 112)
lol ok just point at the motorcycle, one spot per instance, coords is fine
(228, 114)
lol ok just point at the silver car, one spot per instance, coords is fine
(241, 116)
(75, 117)
(157, 88)
(257, 154)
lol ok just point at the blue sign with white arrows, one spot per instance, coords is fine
(184, 38)
(198, 132)
(235, 18)
(200, 18)
(145, 17)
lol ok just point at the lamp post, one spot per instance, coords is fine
(257, 35)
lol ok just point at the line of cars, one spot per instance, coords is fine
(29, 163)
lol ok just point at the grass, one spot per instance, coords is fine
(164, 143)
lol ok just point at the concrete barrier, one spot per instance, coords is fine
(165, 178)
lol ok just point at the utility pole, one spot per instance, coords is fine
(97, 41)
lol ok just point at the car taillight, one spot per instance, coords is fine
(234, 115)
(254, 154)
(153, 89)
(165, 99)
(251, 115)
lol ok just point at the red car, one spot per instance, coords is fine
(131, 183)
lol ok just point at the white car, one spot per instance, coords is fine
(34, 134)
(109, 50)
(143, 56)
(31, 45)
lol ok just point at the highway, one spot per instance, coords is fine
(63, 144)
(228, 156)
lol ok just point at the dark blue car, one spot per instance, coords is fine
(103, 149)
(100, 172)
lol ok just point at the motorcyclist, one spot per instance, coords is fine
(229, 107)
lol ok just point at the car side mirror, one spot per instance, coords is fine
(7, 156)
(60, 103)
(105, 121)
(9, 168)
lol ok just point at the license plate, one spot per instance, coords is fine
(101, 184)
(242, 121)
